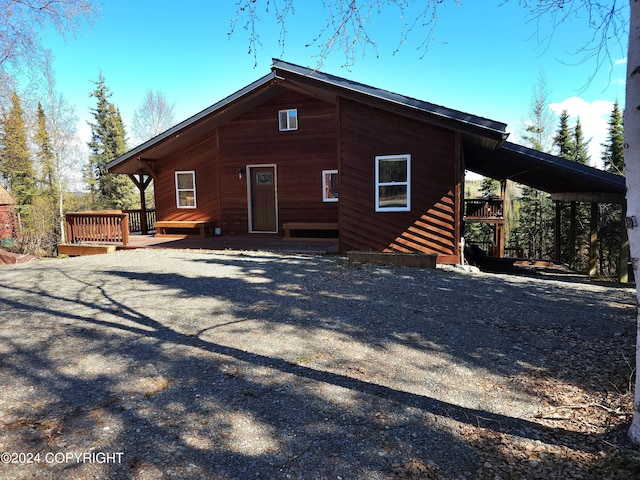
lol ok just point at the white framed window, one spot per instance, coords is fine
(288, 120)
(393, 183)
(186, 189)
(330, 185)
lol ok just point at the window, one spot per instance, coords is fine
(330, 185)
(186, 189)
(288, 119)
(393, 183)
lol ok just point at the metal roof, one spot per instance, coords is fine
(485, 149)
(563, 179)
(289, 76)
(491, 127)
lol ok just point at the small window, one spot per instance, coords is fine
(288, 119)
(186, 189)
(330, 185)
(393, 183)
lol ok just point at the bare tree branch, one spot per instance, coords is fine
(21, 19)
(607, 20)
(347, 25)
(153, 116)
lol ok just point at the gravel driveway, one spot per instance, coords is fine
(154, 364)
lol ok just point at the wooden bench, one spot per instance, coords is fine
(307, 226)
(204, 227)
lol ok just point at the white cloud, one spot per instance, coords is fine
(620, 61)
(594, 118)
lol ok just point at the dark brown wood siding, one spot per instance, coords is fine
(430, 226)
(299, 156)
(221, 159)
(200, 157)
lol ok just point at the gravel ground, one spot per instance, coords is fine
(154, 364)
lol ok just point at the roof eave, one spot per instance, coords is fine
(180, 127)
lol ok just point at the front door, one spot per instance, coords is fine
(263, 201)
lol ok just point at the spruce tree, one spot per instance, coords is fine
(610, 228)
(613, 154)
(107, 143)
(15, 161)
(534, 232)
(581, 147)
(47, 181)
(563, 139)
(45, 216)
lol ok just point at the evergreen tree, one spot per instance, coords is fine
(539, 128)
(613, 154)
(610, 227)
(581, 147)
(489, 187)
(534, 231)
(45, 221)
(107, 143)
(563, 139)
(47, 181)
(15, 161)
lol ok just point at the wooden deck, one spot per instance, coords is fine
(274, 243)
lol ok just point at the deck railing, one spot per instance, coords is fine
(111, 226)
(490, 249)
(135, 220)
(484, 208)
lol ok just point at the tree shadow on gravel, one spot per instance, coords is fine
(247, 365)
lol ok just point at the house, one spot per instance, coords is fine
(7, 216)
(302, 149)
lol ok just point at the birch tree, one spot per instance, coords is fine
(62, 123)
(632, 166)
(20, 22)
(152, 117)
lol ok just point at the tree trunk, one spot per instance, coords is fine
(632, 163)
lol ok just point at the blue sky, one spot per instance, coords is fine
(484, 59)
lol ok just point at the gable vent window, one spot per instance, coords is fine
(288, 120)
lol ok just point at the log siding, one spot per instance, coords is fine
(430, 226)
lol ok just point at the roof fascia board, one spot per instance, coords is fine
(175, 130)
(593, 197)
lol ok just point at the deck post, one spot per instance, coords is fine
(142, 182)
(499, 240)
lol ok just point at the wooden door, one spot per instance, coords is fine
(264, 216)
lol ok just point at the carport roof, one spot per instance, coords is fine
(563, 179)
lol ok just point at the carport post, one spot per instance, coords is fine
(593, 254)
(623, 275)
(557, 234)
(572, 234)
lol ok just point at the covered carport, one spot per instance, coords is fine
(564, 180)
